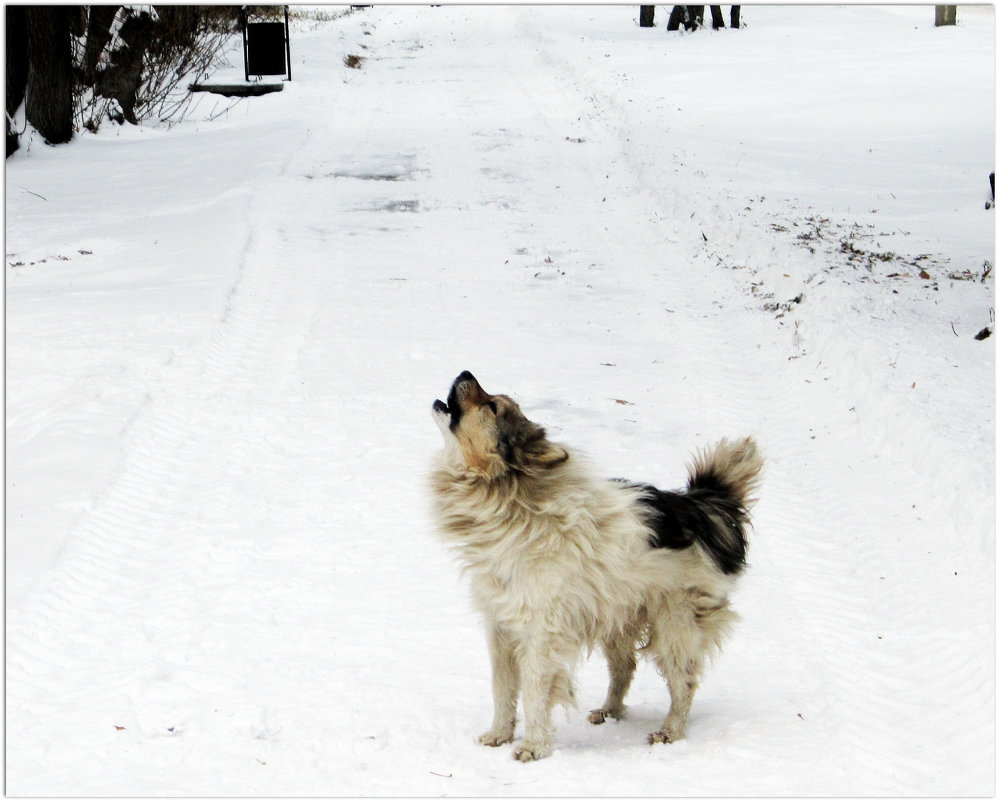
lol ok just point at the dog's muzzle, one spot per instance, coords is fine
(459, 389)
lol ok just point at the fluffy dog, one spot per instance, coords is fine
(561, 562)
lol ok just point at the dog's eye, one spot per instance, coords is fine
(493, 407)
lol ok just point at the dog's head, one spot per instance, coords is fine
(489, 436)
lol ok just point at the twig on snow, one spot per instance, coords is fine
(35, 194)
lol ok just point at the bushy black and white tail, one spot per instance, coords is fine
(713, 510)
(722, 483)
(729, 467)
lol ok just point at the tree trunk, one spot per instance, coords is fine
(647, 17)
(16, 41)
(716, 18)
(179, 23)
(945, 15)
(98, 35)
(49, 102)
(123, 77)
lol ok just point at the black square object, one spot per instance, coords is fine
(265, 53)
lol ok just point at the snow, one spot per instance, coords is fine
(223, 339)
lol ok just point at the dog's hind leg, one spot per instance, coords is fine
(505, 688)
(621, 662)
(688, 626)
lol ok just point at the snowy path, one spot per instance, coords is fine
(240, 593)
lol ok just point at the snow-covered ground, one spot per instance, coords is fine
(223, 340)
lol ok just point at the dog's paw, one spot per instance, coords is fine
(663, 736)
(494, 738)
(598, 716)
(530, 752)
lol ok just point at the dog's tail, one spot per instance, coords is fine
(723, 481)
(731, 468)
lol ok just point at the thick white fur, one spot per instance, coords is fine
(559, 562)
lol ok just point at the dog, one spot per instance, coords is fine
(562, 562)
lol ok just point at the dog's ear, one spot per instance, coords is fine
(523, 445)
(536, 453)
(540, 454)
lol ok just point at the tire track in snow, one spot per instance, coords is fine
(821, 546)
(160, 568)
(873, 646)
(123, 609)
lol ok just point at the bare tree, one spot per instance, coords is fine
(49, 85)
(98, 34)
(121, 78)
(16, 41)
(135, 61)
(76, 66)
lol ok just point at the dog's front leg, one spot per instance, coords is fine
(545, 682)
(505, 688)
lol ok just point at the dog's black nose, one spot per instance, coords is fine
(465, 376)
